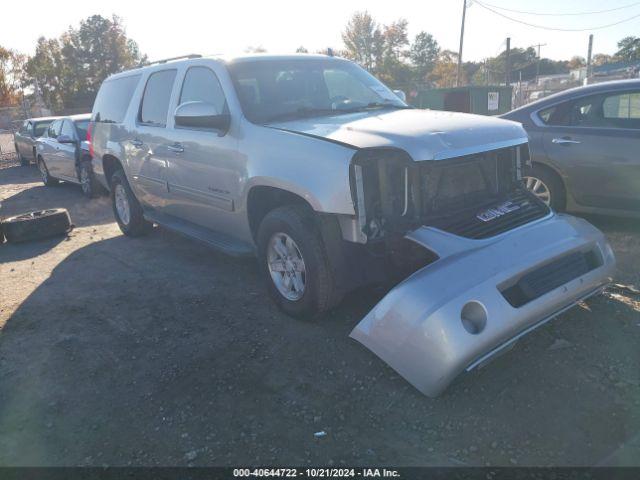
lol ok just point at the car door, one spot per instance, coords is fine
(595, 142)
(203, 170)
(66, 152)
(48, 148)
(149, 153)
(21, 139)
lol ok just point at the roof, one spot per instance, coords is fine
(43, 119)
(584, 90)
(224, 59)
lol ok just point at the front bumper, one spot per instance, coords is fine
(452, 315)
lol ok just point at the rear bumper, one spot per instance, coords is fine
(452, 315)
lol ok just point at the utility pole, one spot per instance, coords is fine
(464, 13)
(589, 51)
(507, 64)
(538, 62)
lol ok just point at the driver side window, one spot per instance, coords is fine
(54, 129)
(67, 129)
(201, 85)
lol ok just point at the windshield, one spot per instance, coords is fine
(271, 90)
(40, 127)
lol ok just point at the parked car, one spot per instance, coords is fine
(63, 153)
(25, 138)
(584, 145)
(334, 182)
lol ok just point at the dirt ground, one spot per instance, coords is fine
(159, 351)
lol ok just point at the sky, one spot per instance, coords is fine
(166, 29)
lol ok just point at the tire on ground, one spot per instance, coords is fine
(37, 225)
(137, 225)
(320, 292)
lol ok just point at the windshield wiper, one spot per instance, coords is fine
(374, 105)
(302, 112)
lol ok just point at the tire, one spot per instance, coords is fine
(37, 225)
(319, 291)
(123, 200)
(541, 179)
(47, 179)
(88, 182)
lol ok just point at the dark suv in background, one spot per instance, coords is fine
(585, 148)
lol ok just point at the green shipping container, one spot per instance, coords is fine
(483, 100)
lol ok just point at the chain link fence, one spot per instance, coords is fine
(8, 155)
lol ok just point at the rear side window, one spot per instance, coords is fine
(202, 85)
(113, 99)
(155, 101)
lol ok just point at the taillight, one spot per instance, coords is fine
(89, 130)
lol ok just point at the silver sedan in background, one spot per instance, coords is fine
(585, 148)
(63, 154)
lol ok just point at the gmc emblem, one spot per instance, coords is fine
(498, 211)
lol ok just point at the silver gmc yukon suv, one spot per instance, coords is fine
(335, 183)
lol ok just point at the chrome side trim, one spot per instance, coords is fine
(482, 148)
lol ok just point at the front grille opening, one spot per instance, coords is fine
(460, 195)
(548, 277)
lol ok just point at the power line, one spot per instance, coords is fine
(593, 12)
(554, 28)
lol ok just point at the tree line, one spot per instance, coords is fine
(66, 72)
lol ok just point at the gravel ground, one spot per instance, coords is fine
(158, 351)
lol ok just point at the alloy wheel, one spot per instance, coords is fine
(286, 266)
(538, 188)
(121, 200)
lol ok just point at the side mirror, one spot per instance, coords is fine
(401, 95)
(65, 139)
(201, 115)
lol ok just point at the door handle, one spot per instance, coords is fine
(137, 143)
(176, 148)
(564, 141)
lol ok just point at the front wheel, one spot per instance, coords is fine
(293, 262)
(126, 207)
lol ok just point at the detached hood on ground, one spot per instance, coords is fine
(423, 134)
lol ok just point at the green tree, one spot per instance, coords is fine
(423, 54)
(301, 49)
(11, 76)
(70, 69)
(364, 41)
(629, 49)
(602, 59)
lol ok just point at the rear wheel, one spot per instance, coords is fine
(88, 181)
(126, 207)
(293, 262)
(47, 179)
(547, 186)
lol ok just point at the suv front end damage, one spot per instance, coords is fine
(504, 262)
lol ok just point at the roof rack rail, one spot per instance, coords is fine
(165, 60)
